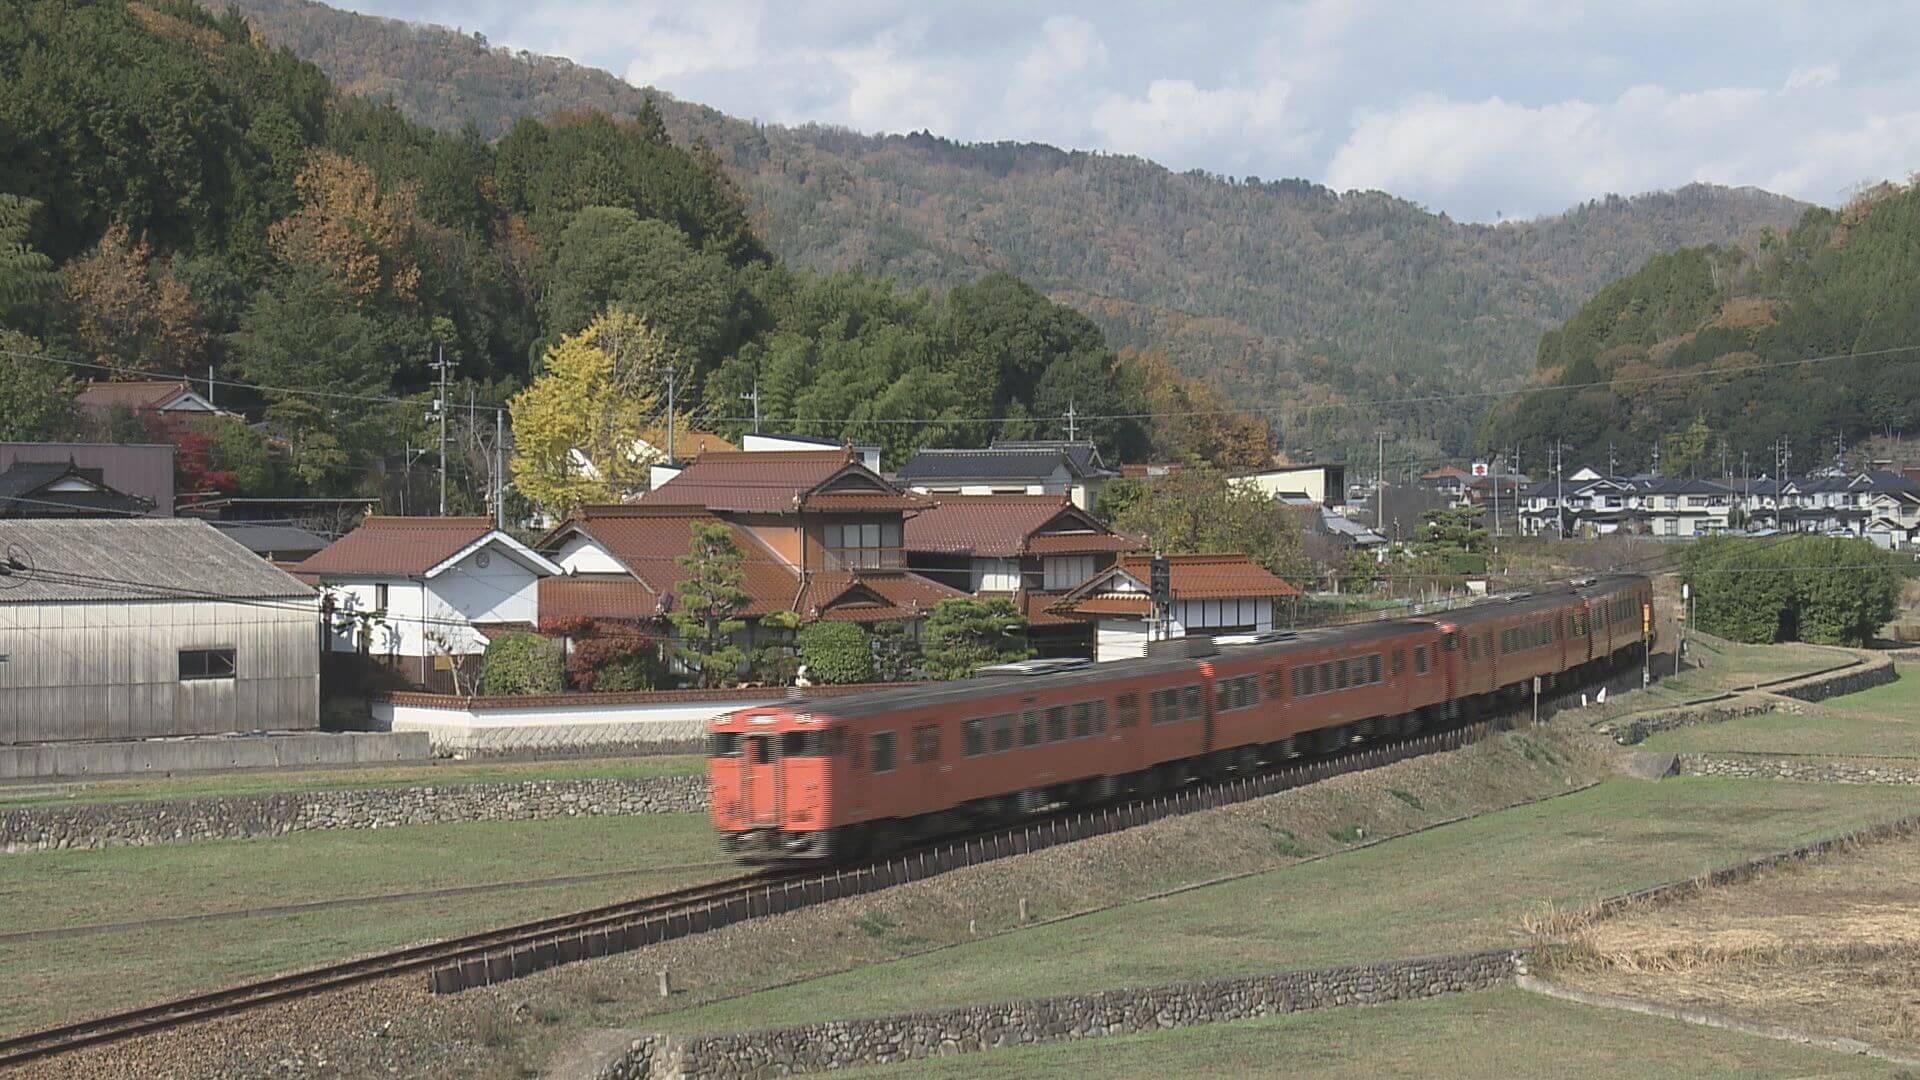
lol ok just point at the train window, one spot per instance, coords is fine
(793, 744)
(886, 753)
(1029, 728)
(760, 750)
(1373, 669)
(1082, 720)
(1002, 733)
(973, 738)
(1127, 707)
(723, 744)
(1419, 659)
(926, 743)
(1223, 695)
(1299, 676)
(1450, 641)
(1342, 674)
(1157, 706)
(1195, 701)
(1056, 723)
(1473, 650)
(1399, 661)
(1099, 718)
(1274, 685)
(1325, 679)
(1249, 690)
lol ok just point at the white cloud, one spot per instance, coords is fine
(1803, 78)
(1184, 126)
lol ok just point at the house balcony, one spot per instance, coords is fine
(866, 558)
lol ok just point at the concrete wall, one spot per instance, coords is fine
(52, 761)
(95, 670)
(916, 1036)
(99, 825)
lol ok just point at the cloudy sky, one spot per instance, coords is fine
(1481, 108)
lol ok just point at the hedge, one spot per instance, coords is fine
(522, 663)
(836, 652)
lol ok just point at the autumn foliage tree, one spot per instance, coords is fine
(360, 235)
(595, 397)
(127, 308)
(1193, 420)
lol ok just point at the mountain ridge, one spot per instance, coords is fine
(1286, 294)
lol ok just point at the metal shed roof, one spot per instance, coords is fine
(133, 559)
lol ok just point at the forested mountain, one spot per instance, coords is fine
(1282, 293)
(178, 197)
(1701, 350)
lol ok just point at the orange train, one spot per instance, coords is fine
(863, 774)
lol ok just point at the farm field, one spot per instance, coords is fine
(1498, 1033)
(1881, 722)
(276, 781)
(49, 979)
(1453, 888)
(1831, 947)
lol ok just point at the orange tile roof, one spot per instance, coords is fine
(1110, 605)
(397, 546)
(140, 396)
(872, 595)
(1007, 525)
(782, 481)
(596, 597)
(1211, 577)
(648, 540)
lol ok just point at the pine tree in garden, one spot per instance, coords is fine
(707, 614)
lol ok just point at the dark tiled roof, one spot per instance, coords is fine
(399, 546)
(135, 559)
(261, 538)
(22, 493)
(872, 595)
(1006, 461)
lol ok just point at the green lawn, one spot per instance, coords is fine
(274, 781)
(1458, 887)
(1721, 669)
(44, 981)
(1502, 1033)
(1881, 722)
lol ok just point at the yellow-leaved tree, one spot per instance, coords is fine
(582, 430)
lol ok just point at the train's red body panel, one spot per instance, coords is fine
(818, 779)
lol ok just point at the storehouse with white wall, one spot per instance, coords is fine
(421, 593)
(146, 628)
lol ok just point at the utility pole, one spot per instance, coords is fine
(1559, 490)
(1072, 430)
(500, 469)
(755, 398)
(440, 407)
(1613, 462)
(673, 385)
(1656, 457)
(1380, 485)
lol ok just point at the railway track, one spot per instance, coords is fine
(514, 951)
(23, 1048)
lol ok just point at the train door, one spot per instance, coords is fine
(928, 764)
(761, 794)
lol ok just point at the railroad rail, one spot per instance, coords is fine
(23, 1048)
(511, 952)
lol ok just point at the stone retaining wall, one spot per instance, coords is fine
(1797, 768)
(1633, 730)
(914, 1036)
(1873, 670)
(98, 825)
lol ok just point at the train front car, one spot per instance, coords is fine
(769, 783)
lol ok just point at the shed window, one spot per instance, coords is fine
(196, 664)
(886, 752)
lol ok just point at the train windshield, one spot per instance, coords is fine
(812, 743)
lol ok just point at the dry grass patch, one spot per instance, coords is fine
(1831, 947)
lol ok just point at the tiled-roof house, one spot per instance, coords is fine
(1211, 594)
(1070, 468)
(820, 535)
(173, 397)
(1030, 548)
(423, 593)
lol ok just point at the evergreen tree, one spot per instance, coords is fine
(963, 636)
(707, 614)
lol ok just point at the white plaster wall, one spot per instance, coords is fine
(581, 555)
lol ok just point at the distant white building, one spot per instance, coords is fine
(420, 593)
(1324, 484)
(758, 443)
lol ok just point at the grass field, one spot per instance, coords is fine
(46, 980)
(1502, 1033)
(1881, 722)
(269, 781)
(1457, 887)
(1831, 947)
(1721, 669)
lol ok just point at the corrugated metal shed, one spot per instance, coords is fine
(133, 559)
